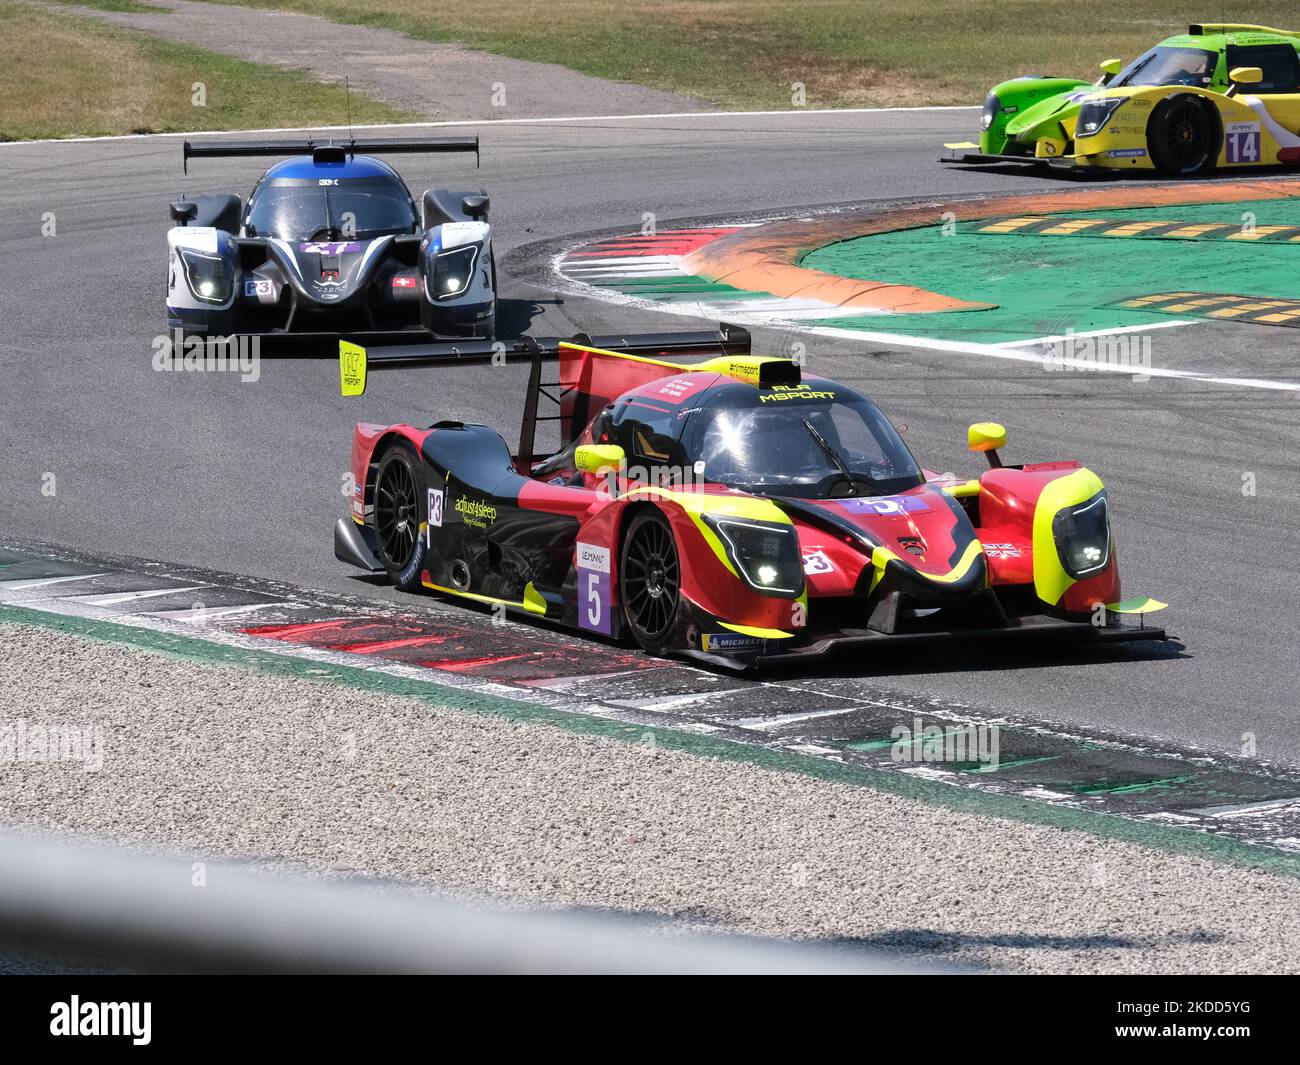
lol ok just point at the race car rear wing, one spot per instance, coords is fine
(575, 393)
(1205, 29)
(356, 360)
(327, 151)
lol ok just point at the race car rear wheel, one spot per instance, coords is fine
(650, 581)
(400, 502)
(1183, 136)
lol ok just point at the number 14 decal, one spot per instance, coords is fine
(1243, 147)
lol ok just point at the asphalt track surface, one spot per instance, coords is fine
(205, 470)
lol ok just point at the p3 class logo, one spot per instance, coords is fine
(436, 498)
(593, 565)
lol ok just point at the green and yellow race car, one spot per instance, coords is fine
(1221, 95)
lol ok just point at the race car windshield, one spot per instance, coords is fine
(808, 448)
(1168, 66)
(357, 211)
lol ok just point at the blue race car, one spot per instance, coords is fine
(330, 241)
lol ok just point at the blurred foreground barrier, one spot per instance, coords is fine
(150, 913)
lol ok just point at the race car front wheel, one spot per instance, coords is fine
(400, 502)
(650, 581)
(1183, 136)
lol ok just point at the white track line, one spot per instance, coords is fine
(117, 598)
(500, 122)
(204, 614)
(955, 347)
(41, 582)
(1098, 333)
(671, 702)
(765, 724)
(991, 351)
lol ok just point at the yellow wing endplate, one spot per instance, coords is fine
(757, 633)
(1207, 29)
(352, 369)
(762, 371)
(1142, 604)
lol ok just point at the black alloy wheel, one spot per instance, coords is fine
(650, 581)
(399, 509)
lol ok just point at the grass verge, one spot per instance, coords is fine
(748, 53)
(64, 76)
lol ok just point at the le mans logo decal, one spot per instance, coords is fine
(593, 565)
(1241, 142)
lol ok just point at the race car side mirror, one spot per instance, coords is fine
(1109, 68)
(183, 211)
(592, 458)
(476, 206)
(987, 437)
(1239, 76)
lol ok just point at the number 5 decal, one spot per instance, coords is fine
(593, 565)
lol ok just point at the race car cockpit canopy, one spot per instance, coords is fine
(327, 191)
(1165, 65)
(813, 440)
(301, 199)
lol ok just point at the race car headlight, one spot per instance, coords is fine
(209, 276)
(992, 105)
(764, 553)
(452, 272)
(1094, 115)
(1082, 535)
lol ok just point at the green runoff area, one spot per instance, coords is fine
(1044, 285)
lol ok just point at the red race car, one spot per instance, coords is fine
(734, 510)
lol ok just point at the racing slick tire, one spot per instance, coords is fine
(400, 505)
(650, 582)
(1183, 136)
